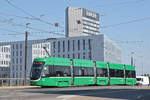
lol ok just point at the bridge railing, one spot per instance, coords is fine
(14, 82)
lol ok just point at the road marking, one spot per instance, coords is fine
(67, 97)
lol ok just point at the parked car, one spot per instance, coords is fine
(142, 80)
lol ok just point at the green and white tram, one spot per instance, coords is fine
(60, 72)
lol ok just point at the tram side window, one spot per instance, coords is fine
(83, 71)
(130, 74)
(116, 73)
(133, 74)
(101, 72)
(58, 71)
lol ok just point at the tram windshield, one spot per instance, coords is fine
(36, 70)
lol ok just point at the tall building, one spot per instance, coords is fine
(81, 22)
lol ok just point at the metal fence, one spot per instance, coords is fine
(14, 82)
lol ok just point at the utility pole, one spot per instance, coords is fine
(26, 54)
(142, 65)
(132, 58)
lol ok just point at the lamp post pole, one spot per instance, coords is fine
(142, 65)
(132, 58)
(26, 54)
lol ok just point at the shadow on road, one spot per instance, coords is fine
(129, 94)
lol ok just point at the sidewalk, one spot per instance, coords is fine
(19, 87)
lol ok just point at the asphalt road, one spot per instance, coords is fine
(78, 93)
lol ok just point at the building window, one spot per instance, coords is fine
(6, 56)
(44, 53)
(6, 62)
(20, 75)
(41, 52)
(78, 55)
(20, 46)
(89, 44)
(84, 55)
(13, 60)
(54, 44)
(16, 68)
(13, 46)
(17, 61)
(6, 49)
(90, 57)
(13, 68)
(83, 44)
(63, 46)
(68, 45)
(20, 67)
(58, 46)
(16, 53)
(13, 53)
(78, 44)
(13, 75)
(2, 49)
(16, 46)
(16, 75)
(20, 60)
(20, 53)
(73, 44)
(41, 45)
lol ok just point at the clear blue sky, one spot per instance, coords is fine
(122, 20)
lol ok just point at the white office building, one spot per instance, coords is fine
(81, 22)
(13, 56)
(5, 53)
(96, 47)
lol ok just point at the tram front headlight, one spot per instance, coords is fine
(45, 68)
(44, 72)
